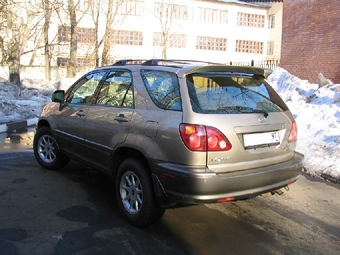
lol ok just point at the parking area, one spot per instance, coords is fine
(74, 211)
(68, 212)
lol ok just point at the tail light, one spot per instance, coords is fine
(293, 132)
(203, 138)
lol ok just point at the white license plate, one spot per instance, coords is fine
(261, 139)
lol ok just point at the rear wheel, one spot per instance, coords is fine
(46, 151)
(135, 194)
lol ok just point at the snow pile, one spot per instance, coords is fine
(26, 102)
(317, 112)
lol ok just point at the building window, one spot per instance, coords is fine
(81, 62)
(90, 62)
(175, 40)
(213, 15)
(249, 46)
(250, 20)
(62, 62)
(132, 7)
(271, 21)
(178, 41)
(171, 11)
(86, 35)
(127, 37)
(211, 43)
(270, 48)
(64, 34)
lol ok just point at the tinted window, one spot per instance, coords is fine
(116, 89)
(220, 93)
(84, 90)
(163, 89)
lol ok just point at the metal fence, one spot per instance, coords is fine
(270, 64)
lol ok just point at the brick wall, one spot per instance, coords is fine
(311, 39)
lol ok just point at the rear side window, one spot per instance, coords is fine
(116, 90)
(163, 88)
(220, 93)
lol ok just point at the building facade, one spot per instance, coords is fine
(311, 39)
(221, 31)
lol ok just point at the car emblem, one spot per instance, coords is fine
(261, 119)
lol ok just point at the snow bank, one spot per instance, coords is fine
(317, 112)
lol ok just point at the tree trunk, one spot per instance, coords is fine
(108, 35)
(14, 73)
(72, 64)
(97, 44)
(14, 63)
(165, 46)
(46, 42)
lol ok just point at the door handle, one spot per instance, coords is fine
(121, 118)
(81, 113)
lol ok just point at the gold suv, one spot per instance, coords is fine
(173, 132)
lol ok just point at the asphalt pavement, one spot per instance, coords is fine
(74, 212)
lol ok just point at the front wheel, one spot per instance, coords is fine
(135, 194)
(46, 151)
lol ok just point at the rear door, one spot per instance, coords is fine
(108, 119)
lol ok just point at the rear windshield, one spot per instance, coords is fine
(221, 92)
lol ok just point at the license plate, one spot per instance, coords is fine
(261, 139)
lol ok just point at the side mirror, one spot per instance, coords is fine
(58, 96)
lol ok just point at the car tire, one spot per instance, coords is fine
(46, 152)
(135, 194)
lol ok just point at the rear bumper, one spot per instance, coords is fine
(188, 185)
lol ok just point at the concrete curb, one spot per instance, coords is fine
(18, 125)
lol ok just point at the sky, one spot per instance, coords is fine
(315, 108)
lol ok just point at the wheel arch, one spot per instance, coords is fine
(123, 153)
(126, 152)
(43, 123)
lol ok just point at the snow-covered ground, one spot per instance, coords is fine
(317, 112)
(315, 108)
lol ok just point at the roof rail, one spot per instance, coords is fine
(176, 61)
(129, 61)
(155, 62)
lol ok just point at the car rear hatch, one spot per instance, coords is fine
(241, 105)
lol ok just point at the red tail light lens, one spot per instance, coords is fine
(203, 138)
(227, 199)
(293, 132)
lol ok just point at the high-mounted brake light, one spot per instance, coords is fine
(293, 132)
(203, 138)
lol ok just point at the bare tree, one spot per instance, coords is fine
(95, 11)
(112, 12)
(19, 24)
(12, 48)
(3, 21)
(106, 39)
(41, 39)
(165, 11)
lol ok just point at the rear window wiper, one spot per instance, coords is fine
(243, 110)
(265, 113)
(237, 108)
